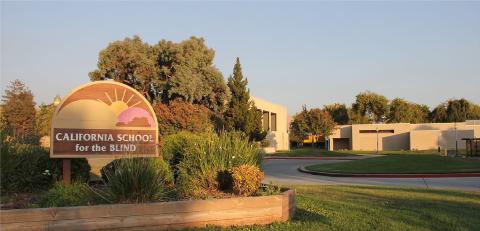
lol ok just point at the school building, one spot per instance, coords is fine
(403, 136)
(275, 122)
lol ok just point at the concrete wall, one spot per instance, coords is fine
(424, 139)
(342, 131)
(278, 139)
(398, 140)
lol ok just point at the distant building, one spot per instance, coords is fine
(275, 122)
(403, 136)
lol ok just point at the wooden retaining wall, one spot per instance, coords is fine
(154, 216)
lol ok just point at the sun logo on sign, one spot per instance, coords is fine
(128, 115)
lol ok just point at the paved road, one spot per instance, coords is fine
(285, 172)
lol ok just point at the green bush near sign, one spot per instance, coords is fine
(27, 168)
(75, 194)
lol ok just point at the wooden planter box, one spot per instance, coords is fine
(155, 216)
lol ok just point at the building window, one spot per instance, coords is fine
(266, 121)
(273, 126)
(379, 131)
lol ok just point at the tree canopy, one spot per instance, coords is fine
(402, 111)
(338, 112)
(179, 115)
(18, 110)
(312, 122)
(165, 71)
(372, 105)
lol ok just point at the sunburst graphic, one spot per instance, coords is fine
(119, 105)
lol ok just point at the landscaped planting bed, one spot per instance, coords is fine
(163, 215)
(201, 179)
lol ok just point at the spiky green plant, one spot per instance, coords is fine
(137, 180)
(214, 154)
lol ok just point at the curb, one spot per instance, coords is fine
(389, 175)
(313, 158)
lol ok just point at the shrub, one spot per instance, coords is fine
(137, 180)
(75, 194)
(246, 179)
(25, 168)
(174, 147)
(182, 116)
(204, 162)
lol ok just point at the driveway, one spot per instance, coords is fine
(285, 172)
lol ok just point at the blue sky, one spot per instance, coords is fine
(292, 53)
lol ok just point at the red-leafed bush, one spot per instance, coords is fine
(178, 116)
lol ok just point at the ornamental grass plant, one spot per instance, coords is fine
(202, 170)
(137, 180)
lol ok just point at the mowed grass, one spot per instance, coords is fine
(378, 208)
(402, 164)
(317, 152)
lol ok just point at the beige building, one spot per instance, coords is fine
(403, 136)
(275, 122)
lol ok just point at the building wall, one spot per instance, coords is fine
(405, 136)
(424, 139)
(278, 139)
(342, 131)
(398, 139)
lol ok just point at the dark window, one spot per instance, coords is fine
(266, 121)
(273, 117)
(379, 131)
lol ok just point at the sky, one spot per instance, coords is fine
(293, 53)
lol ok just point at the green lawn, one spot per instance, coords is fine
(402, 164)
(317, 152)
(379, 208)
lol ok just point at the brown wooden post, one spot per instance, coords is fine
(67, 171)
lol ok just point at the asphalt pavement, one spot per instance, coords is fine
(285, 172)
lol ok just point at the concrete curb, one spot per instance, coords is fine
(312, 158)
(389, 175)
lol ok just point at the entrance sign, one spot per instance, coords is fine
(104, 119)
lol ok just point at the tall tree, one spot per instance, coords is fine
(475, 112)
(402, 111)
(132, 62)
(43, 119)
(241, 113)
(338, 112)
(165, 71)
(372, 105)
(18, 110)
(356, 118)
(458, 110)
(438, 114)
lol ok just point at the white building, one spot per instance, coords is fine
(275, 122)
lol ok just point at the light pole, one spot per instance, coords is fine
(456, 142)
(377, 139)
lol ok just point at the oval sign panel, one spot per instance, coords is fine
(104, 118)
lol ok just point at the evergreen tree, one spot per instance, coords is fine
(18, 110)
(241, 113)
(44, 119)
